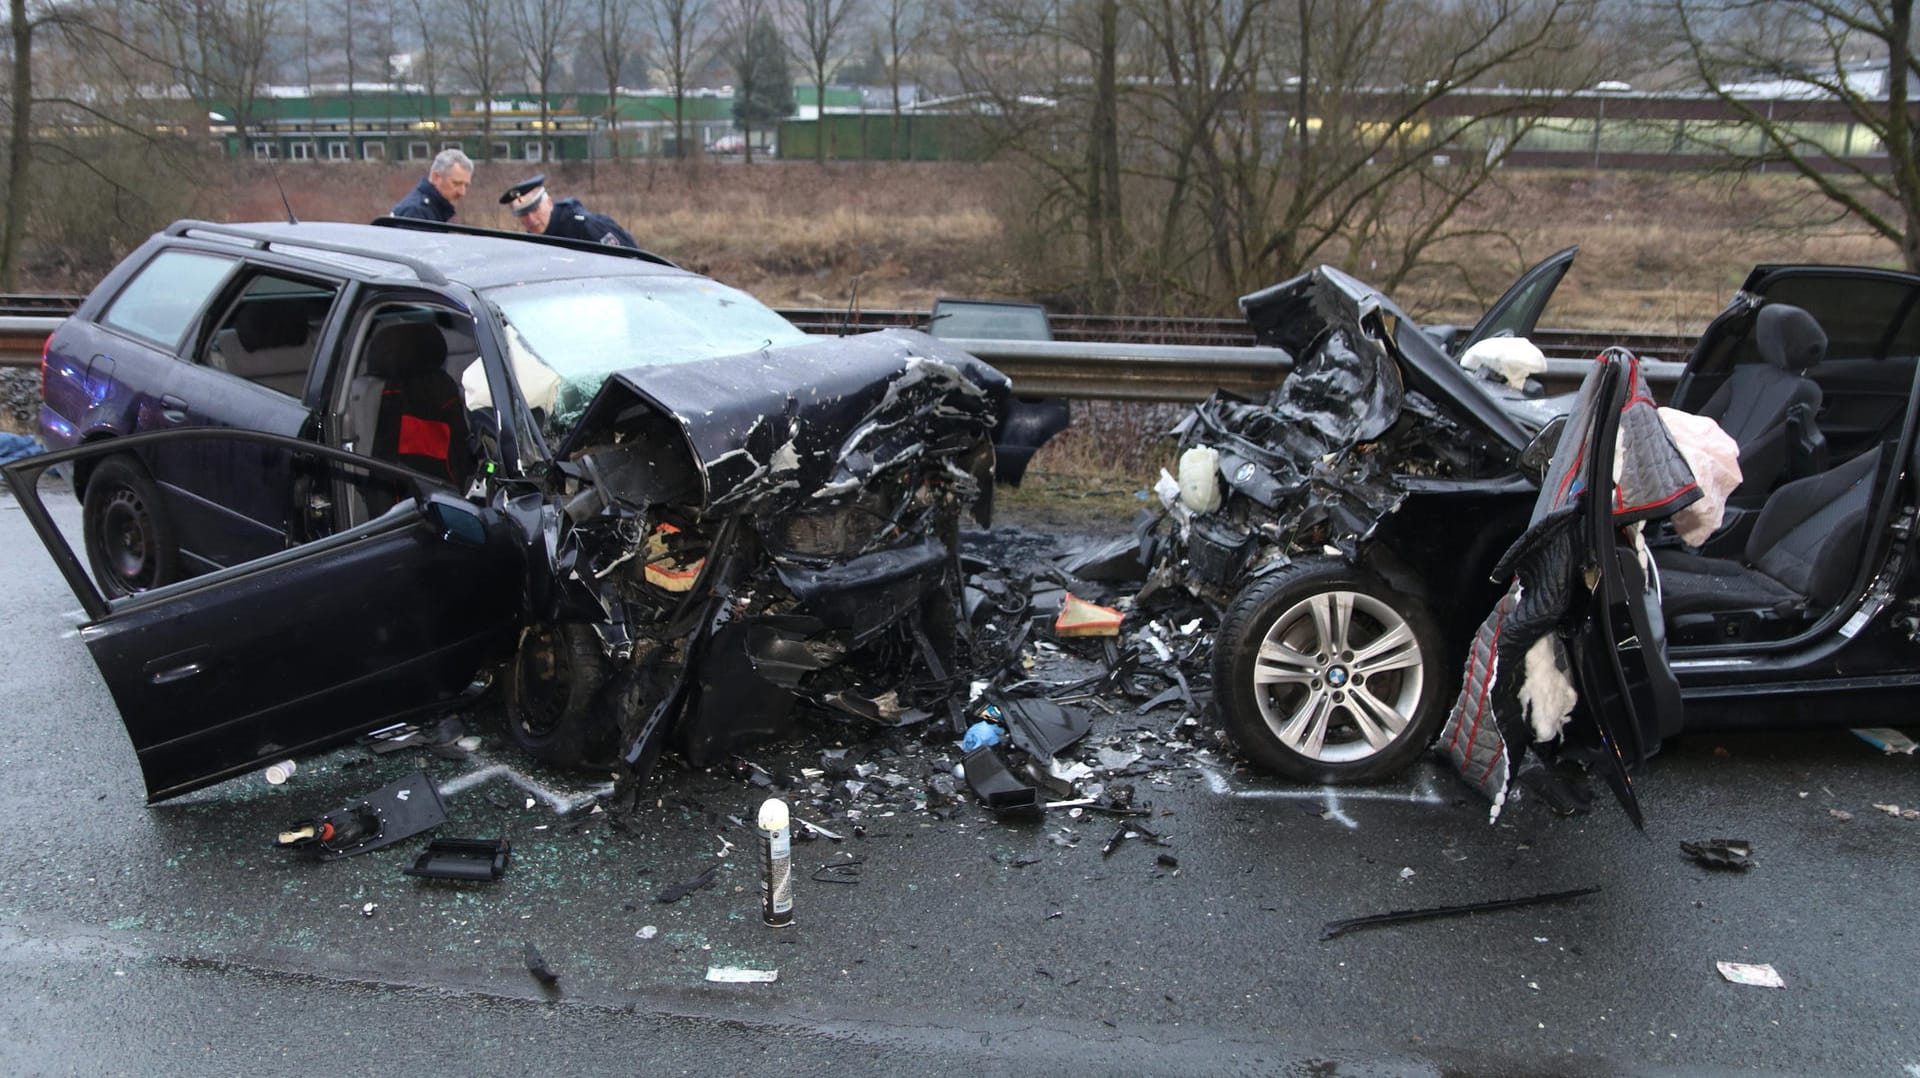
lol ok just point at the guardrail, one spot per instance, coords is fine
(1160, 361)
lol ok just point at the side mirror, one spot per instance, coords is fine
(1447, 337)
(456, 521)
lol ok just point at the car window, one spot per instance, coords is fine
(584, 330)
(415, 395)
(166, 296)
(269, 332)
(1856, 314)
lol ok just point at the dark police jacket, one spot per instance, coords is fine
(424, 203)
(576, 222)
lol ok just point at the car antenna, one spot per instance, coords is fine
(273, 165)
(853, 307)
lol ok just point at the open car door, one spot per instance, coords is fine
(1517, 311)
(1619, 648)
(304, 647)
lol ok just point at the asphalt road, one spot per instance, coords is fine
(174, 940)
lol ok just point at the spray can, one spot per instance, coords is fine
(776, 876)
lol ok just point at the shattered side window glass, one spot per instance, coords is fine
(586, 329)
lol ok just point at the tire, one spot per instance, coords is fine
(129, 541)
(1360, 690)
(555, 707)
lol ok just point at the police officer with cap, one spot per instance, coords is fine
(541, 214)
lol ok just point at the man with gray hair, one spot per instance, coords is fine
(445, 183)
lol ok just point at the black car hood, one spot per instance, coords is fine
(1294, 313)
(784, 427)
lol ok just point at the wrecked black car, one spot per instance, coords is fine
(1349, 526)
(635, 505)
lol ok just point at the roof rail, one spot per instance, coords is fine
(264, 240)
(420, 225)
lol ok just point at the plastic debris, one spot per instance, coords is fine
(996, 786)
(1759, 976)
(737, 975)
(1042, 727)
(1891, 742)
(847, 871)
(979, 734)
(537, 965)
(391, 814)
(482, 859)
(686, 887)
(1840, 814)
(647, 932)
(1726, 854)
(1081, 618)
(1897, 812)
(1333, 929)
(278, 774)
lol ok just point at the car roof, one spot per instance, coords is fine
(476, 258)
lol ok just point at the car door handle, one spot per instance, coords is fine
(178, 666)
(173, 408)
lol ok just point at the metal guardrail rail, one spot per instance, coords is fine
(1107, 357)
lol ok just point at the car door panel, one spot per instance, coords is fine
(1517, 312)
(1863, 402)
(302, 648)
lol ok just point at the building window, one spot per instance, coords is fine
(373, 151)
(265, 151)
(336, 151)
(300, 151)
(419, 151)
(533, 149)
(451, 146)
(502, 152)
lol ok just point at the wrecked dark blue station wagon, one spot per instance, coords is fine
(334, 476)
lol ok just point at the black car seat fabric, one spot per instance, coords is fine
(1802, 553)
(422, 419)
(1769, 407)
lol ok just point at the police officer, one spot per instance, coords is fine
(539, 213)
(444, 185)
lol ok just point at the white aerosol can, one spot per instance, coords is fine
(776, 877)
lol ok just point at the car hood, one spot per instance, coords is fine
(783, 427)
(1295, 314)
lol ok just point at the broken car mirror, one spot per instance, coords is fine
(1539, 452)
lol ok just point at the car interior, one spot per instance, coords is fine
(404, 403)
(269, 333)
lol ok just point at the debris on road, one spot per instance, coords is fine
(737, 975)
(1897, 812)
(995, 785)
(278, 774)
(482, 859)
(699, 883)
(1891, 742)
(1079, 617)
(391, 814)
(847, 871)
(1724, 854)
(537, 965)
(1759, 976)
(1840, 814)
(1334, 929)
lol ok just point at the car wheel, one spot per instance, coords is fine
(554, 705)
(128, 538)
(1324, 674)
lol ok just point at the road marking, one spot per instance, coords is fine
(1331, 796)
(561, 802)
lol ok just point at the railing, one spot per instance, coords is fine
(1110, 357)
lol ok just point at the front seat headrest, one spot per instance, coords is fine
(1788, 337)
(406, 349)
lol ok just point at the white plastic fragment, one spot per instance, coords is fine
(1759, 976)
(737, 975)
(647, 932)
(1407, 873)
(278, 774)
(1891, 742)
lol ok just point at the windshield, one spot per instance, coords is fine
(568, 336)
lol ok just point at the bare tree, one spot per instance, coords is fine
(903, 28)
(545, 27)
(750, 45)
(482, 57)
(1752, 51)
(680, 32)
(613, 46)
(817, 27)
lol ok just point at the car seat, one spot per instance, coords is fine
(268, 345)
(421, 421)
(1769, 407)
(1800, 558)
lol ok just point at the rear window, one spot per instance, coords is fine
(1858, 314)
(164, 298)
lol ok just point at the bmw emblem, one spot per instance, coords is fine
(1337, 677)
(1244, 472)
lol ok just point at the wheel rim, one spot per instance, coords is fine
(128, 540)
(1338, 676)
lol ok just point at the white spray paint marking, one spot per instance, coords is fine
(561, 802)
(1333, 810)
(1424, 795)
(1913, 1070)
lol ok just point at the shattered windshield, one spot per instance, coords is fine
(567, 336)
